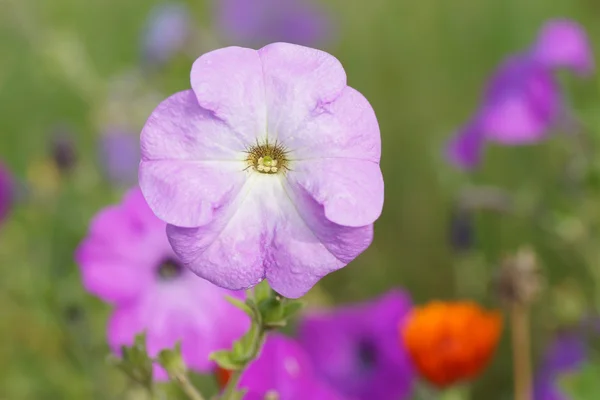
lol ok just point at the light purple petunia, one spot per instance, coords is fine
(166, 32)
(284, 371)
(267, 169)
(523, 102)
(357, 348)
(119, 152)
(567, 354)
(258, 22)
(6, 192)
(126, 260)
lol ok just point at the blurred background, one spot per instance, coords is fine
(79, 78)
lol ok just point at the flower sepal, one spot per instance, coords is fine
(135, 362)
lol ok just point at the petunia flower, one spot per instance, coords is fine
(126, 260)
(258, 22)
(119, 153)
(523, 103)
(6, 192)
(565, 355)
(267, 169)
(355, 348)
(282, 371)
(450, 342)
(166, 32)
(563, 43)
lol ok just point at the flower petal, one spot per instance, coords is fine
(350, 191)
(308, 246)
(318, 79)
(229, 82)
(344, 128)
(187, 193)
(564, 43)
(466, 148)
(182, 130)
(229, 251)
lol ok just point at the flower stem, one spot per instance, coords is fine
(521, 351)
(190, 390)
(257, 343)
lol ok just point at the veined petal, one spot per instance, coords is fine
(187, 193)
(298, 81)
(344, 128)
(350, 190)
(308, 246)
(180, 129)
(229, 82)
(230, 251)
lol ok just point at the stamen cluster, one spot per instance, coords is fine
(267, 158)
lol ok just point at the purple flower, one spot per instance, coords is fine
(258, 22)
(563, 43)
(356, 348)
(566, 354)
(166, 32)
(267, 168)
(6, 192)
(120, 156)
(126, 260)
(523, 102)
(283, 369)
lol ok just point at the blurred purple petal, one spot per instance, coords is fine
(563, 43)
(166, 32)
(120, 156)
(466, 148)
(259, 22)
(6, 192)
(357, 350)
(521, 104)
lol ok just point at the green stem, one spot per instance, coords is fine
(184, 383)
(521, 352)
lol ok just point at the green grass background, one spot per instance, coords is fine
(421, 64)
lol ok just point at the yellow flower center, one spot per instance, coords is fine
(267, 158)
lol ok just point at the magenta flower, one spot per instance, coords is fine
(258, 22)
(126, 260)
(119, 153)
(283, 369)
(523, 103)
(167, 31)
(267, 168)
(356, 348)
(6, 192)
(564, 44)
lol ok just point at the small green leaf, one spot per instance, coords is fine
(225, 360)
(262, 292)
(172, 361)
(291, 308)
(241, 305)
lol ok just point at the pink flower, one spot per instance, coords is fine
(126, 260)
(267, 168)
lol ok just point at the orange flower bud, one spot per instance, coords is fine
(222, 375)
(450, 341)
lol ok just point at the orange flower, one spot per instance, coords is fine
(450, 341)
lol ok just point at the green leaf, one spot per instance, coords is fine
(245, 307)
(225, 360)
(172, 361)
(262, 292)
(291, 308)
(135, 362)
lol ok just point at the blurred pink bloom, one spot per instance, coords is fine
(267, 168)
(126, 260)
(523, 102)
(6, 192)
(258, 22)
(166, 32)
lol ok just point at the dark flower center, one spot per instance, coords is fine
(367, 353)
(169, 269)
